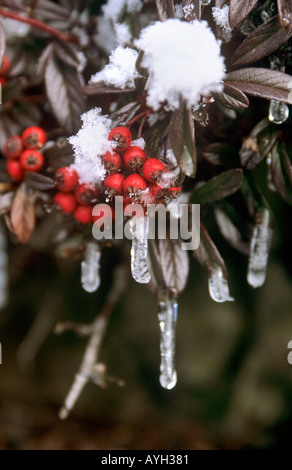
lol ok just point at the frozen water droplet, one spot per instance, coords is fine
(278, 112)
(3, 268)
(139, 250)
(90, 275)
(205, 2)
(167, 316)
(218, 287)
(270, 182)
(259, 249)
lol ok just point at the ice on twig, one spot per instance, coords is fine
(167, 316)
(259, 249)
(218, 286)
(139, 251)
(90, 268)
(278, 112)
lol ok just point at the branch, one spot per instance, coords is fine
(90, 368)
(35, 23)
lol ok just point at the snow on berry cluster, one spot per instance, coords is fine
(128, 172)
(23, 152)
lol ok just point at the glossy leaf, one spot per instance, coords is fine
(207, 254)
(263, 83)
(239, 10)
(281, 170)
(264, 40)
(218, 187)
(232, 97)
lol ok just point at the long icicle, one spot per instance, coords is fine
(259, 249)
(139, 251)
(90, 267)
(167, 317)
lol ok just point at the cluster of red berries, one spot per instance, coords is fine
(23, 152)
(130, 174)
(73, 197)
(4, 69)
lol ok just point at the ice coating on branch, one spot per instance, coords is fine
(183, 60)
(259, 250)
(90, 267)
(121, 71)
(167, 316)
(221, 18)
(3, 267)
(89, 144)
(139, 251)
(218, 287)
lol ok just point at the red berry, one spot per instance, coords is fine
(112, 161)
(66, 179)
(83, 214)
(134, 184)
(34, 137)
(156, 193)
(5, 66)
(13, 147)
(114, 183)
(134, 158)
(122, 136)
(15, 170)
(86, 194)
(152, 169)
(2, 81)
(173, 192)
(32, 160)
(66, 202)
(102, 213)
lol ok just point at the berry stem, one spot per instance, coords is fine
(35, 23)
(144, 113)
(140, 130)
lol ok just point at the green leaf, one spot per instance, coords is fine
(218, 187)
(263, 83)
(264, 40)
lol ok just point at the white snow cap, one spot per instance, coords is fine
(183, 60)
(89, 144)
(121, 70)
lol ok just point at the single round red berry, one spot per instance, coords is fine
(83, 214)
(101, 214)
(134, 158)
(173, 192)
(34, 137)
(66, 201)
(114, 183)
(86, 194)
(66, 179)
(32, 160)
(133, 185)
(5, 66)
(156, 193)
(13, 147)
(122, 137)
(112, 161)
(153, 169)
(2, 81)
(15, 170)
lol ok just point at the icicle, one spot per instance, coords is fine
(278, 112)
(205, 2)
(139, 251)
(218, 287)
(3, 268)
(259, 249)
(167, 316)
(90, 276)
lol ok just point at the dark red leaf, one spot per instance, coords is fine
(281, 170)
(218, 187)
(165, 9)
(239, 10)
(99, 88)
(232, 97)
(285, 15)
(264, 40)
(23, 214)
(261, 82)
(207, 254)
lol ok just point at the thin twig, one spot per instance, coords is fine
(35, 23)
(90, 368)
(143, 113)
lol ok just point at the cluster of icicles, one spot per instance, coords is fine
(167, 307)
